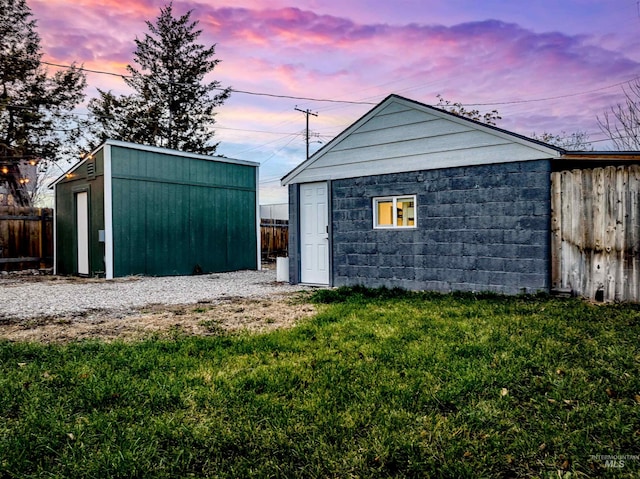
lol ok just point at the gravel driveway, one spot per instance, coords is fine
(29, 297)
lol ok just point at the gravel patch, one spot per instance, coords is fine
(24, 298)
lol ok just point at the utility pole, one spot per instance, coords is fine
(307, 112)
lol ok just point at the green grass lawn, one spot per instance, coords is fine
(378, 384)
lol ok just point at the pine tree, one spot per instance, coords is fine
(36, 128)
(172, 106)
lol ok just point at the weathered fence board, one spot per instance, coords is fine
(26, 238)
(274, 238)
(595, 226)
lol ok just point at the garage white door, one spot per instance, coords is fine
(314, 233)
(82, 228)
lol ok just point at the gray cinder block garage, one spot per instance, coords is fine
(413, 196)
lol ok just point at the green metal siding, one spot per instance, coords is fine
(66, 221)
(171, 213)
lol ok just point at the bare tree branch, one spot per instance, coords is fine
(621, 123)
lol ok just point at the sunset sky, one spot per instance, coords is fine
(547, 65)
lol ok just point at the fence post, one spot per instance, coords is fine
(274, 237)
(43, 232)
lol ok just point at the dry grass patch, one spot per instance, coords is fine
(201, 319)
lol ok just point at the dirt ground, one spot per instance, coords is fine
(204, 319)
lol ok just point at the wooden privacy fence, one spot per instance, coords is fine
(596, 232)
(26, 238)
(274, 238)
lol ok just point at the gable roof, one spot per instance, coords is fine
(153, 149)
(400, 134)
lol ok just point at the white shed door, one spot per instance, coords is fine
(82, 225)
(314, 233)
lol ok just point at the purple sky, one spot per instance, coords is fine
(572, 56)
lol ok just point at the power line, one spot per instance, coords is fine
(79, 114)
(290, 97)
(352, 102)
(277, 151)
(514, 102)
(293, 136)
(86, 69)
(327, 100)
(255, 131)
(273, 180)
(233, 90)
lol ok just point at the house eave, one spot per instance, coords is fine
(186, 154)
(601, 155)
(546, 151)
(153, 149)
(75, 167)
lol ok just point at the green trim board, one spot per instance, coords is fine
(183, 183)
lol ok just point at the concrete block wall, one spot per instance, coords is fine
(480, 228)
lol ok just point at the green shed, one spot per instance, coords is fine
(132, 209)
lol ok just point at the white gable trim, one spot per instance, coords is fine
(289, 177)
(325, 167)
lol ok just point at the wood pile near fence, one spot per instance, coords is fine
(26, 238)
(596, 232)
(274, 238)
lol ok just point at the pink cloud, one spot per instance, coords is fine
(310, 52)
(325, 42)
(495, 44)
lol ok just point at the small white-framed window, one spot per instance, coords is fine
(395, 212)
